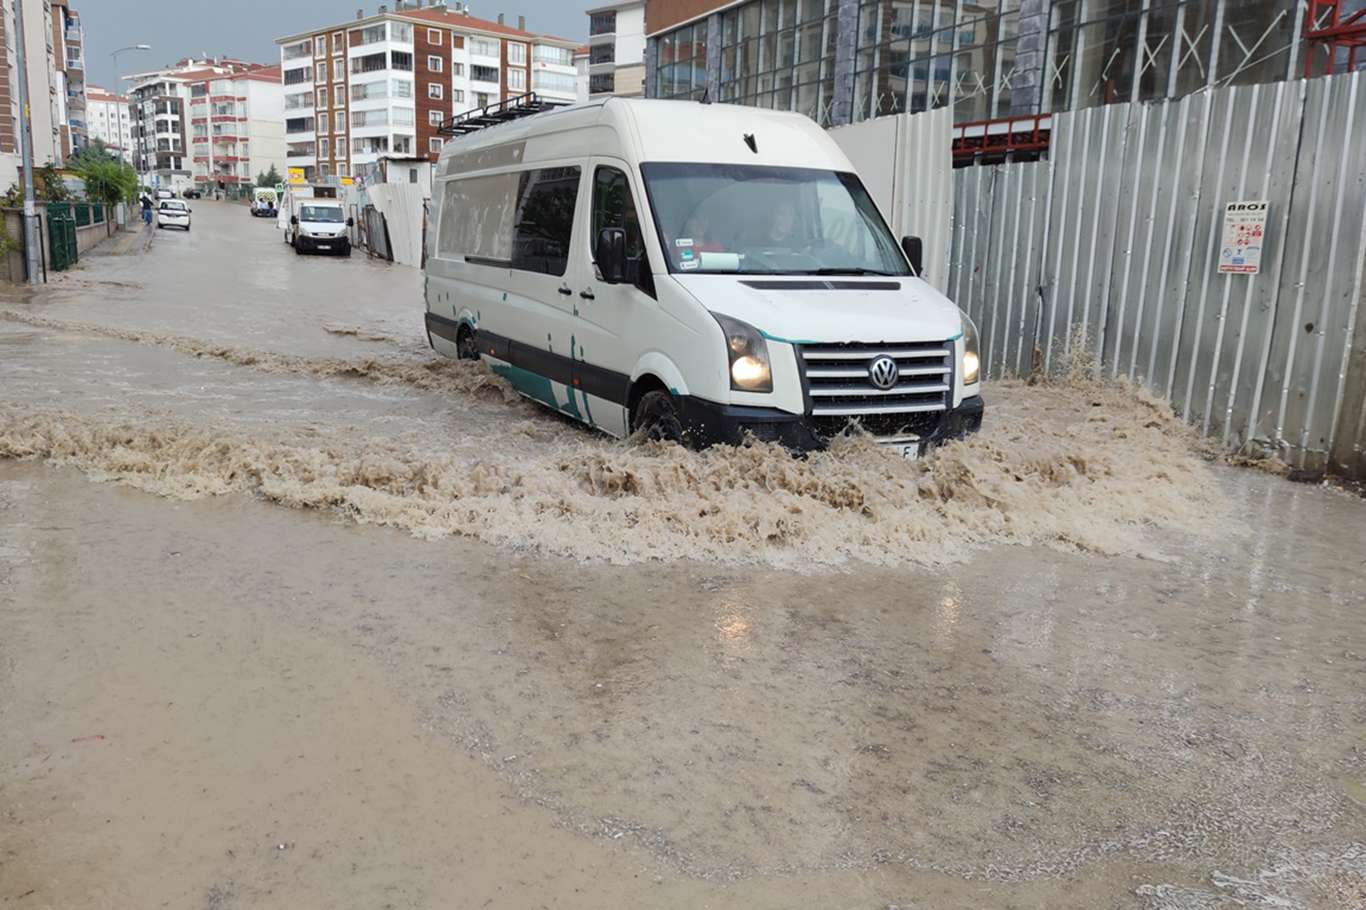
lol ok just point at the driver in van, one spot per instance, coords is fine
(784, 227)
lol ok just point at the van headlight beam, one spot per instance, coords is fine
(972, 353)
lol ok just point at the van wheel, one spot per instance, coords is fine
(466, 348)
(657, 419)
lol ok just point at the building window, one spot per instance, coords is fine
(602, 23)
(403, 116)
(558, 56)
(483, 47)
(320, 72)
(296, 50)
(602, 53)
(602, 84)
(372, 34)
(320, 46)
(516, 53)
(550, 81)
(457, 69)
(434, 63)
(338, 42)
(481, 99)
(339, 122)
(403, 145)
(369, 118)
(401, 61)
(434, 145)
(403, 88)
(458, 96)
(339, 93)
(434, 36)
(322, 97)
(517, 80)
(434, 90)
(323, 147)
(683, 61)
(370, 63)
(296, 76)
(434, 118)
(484, 74)
(338, 68)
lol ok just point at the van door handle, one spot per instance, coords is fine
(566, 291)
(587, 295)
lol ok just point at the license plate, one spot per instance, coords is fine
(324, 246)
(909, 450)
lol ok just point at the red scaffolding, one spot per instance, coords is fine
(1327, 26)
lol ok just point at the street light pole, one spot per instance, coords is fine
(115, 56)
(31, 239)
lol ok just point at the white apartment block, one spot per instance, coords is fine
(109, 118)
(616, 49)
(381, 85)
(212, 124)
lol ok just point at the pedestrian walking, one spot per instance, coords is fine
(146, 209)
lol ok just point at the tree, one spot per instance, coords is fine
(108, 180)
(269, 178)
(49, 185)
(95, 151)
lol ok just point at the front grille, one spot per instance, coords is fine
(840, 389)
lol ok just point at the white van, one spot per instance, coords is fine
(315, 224)
(698, 272)
(263, 202)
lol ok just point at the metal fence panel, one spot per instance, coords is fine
(1115, 239)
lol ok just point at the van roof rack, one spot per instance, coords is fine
(494, 114)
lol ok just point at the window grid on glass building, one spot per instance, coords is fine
(915, 55)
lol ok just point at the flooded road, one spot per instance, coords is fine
(340, 624)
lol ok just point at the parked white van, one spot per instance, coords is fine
(316, 224)
(698, 272)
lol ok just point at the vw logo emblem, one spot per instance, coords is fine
(882, 372)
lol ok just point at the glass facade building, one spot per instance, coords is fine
(842, 61)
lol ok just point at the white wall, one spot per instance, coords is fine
(631, 36)
(906, 163)
(265, 126)
(37, 36)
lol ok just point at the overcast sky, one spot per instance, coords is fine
(247, 28)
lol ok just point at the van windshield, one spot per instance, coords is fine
(754, 220)
(325, 213)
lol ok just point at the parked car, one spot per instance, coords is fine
(164, 194)
(319, 225)
(693, 272)
(173, 213)
(192, 194)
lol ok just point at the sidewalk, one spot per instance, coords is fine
(135, 238)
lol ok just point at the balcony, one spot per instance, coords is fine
(74, 35)
(76, 64)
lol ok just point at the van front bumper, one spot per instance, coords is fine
(708, 423)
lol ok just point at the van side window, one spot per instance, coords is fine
(613, 206)
(545, 219)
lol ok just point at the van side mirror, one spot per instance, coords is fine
(350, 222)
(293, 219)
(610, 255)
(914, 249)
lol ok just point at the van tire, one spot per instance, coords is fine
(466, 347)
(656, 418)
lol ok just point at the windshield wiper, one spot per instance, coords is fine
(845, 271)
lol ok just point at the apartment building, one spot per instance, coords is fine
(381, 85)
(67, 82)
(212, 123)
(56, 74)
(110, 120)
(237, 129)
(616, 49)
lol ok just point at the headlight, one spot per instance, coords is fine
(748, 354)
(972, 360)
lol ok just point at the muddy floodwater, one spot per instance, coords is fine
(295, 614)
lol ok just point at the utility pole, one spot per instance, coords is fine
(31, 238)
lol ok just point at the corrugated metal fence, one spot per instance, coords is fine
(1113, 243)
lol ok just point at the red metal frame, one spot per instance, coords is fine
(1003, 136)
(1336, 33)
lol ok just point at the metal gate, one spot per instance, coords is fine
(61, 236)
(1113, 243)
